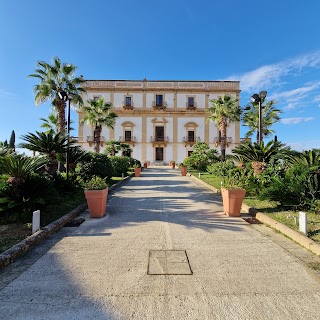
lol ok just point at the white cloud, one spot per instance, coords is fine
(270, 75)
(4, 93)
(316, 99)
(295, 120)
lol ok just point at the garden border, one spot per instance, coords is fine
(301, 239)
(25, 245)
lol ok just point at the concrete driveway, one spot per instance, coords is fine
(228, 269)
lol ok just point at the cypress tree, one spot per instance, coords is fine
(12, 141)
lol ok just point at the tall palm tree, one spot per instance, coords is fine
(270, 115)
(97, 114)
(223, 109)
(54, 79)
(51, 123)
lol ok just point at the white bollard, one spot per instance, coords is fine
(303, 222)
(122, 175)
(35, 221)
(199, 175)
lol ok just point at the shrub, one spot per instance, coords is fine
(120, 165)
(95, 164)
(95, 183)
(220, 169)
(32, 193)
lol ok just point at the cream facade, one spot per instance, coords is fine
(161, 120)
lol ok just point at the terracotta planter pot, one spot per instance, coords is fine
(232, 201)
(97, 202)
(183, 171)
(145, 165)
(137, 172)
(148, 163)
(173, 165)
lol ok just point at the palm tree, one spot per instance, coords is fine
(223, 109)
(47, 144)
(270, 115)
(54, 79)
(97, 114)
(51, 123)
(260, 154)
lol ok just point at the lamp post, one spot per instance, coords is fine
(259, 98)
(63, 95)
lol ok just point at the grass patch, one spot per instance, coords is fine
(271, 208)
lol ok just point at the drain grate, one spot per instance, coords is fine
(252, 220)
(169, 262)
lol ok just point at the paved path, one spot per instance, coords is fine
(99, 270)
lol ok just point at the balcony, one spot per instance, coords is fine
(131, 141)
(92, 139)
(127, 106)
(191, 106)
(245, 140)
(159, 141)
(156, 105)
(217, 141)
(191, 142)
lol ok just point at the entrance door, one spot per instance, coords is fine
(159, 154)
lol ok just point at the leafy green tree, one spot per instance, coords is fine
(5, 143)
(270, 115)
(54, 79)
(12, 141)
(98, 114)
(112, 147)
(224, 109)
(201, 157)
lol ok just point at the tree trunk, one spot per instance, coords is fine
(257, 136)
(97, 138)
(61, 105)
(223, 130)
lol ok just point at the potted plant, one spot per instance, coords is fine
(232, 196)
(183, 169)
(96, 192)
(172, 164)
(145, 165)
(137, 170)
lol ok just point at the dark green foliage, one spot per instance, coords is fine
(298, 189)
(5, 143)
(62, 185)
(94, 164)
(12, 141)
(201, 157)
(120, 165)
(221, 169)
(18, 202)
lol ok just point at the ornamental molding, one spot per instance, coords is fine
(155, 120)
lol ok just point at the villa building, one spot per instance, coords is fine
(161, 120)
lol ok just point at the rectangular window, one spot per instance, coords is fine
(159, 100)
(189, 153)
(190, 136)
(159, 134)
(128, 101)
(96, 98)
(127, 135)
(190, 102)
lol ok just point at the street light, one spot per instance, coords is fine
(259, 98)
(64, 96)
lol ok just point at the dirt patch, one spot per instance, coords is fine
(11, 234)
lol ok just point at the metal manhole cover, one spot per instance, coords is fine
(252, 220)
(168, 262)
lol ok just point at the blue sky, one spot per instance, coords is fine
(267, 45)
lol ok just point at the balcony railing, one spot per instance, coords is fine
(131, 140)
(191, 106)
(245, 140)
(92, 139)
(190, 141)
(159, 140)
(127, 106)
(159, 105)
(217, 141)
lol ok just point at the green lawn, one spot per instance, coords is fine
(271, 208)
